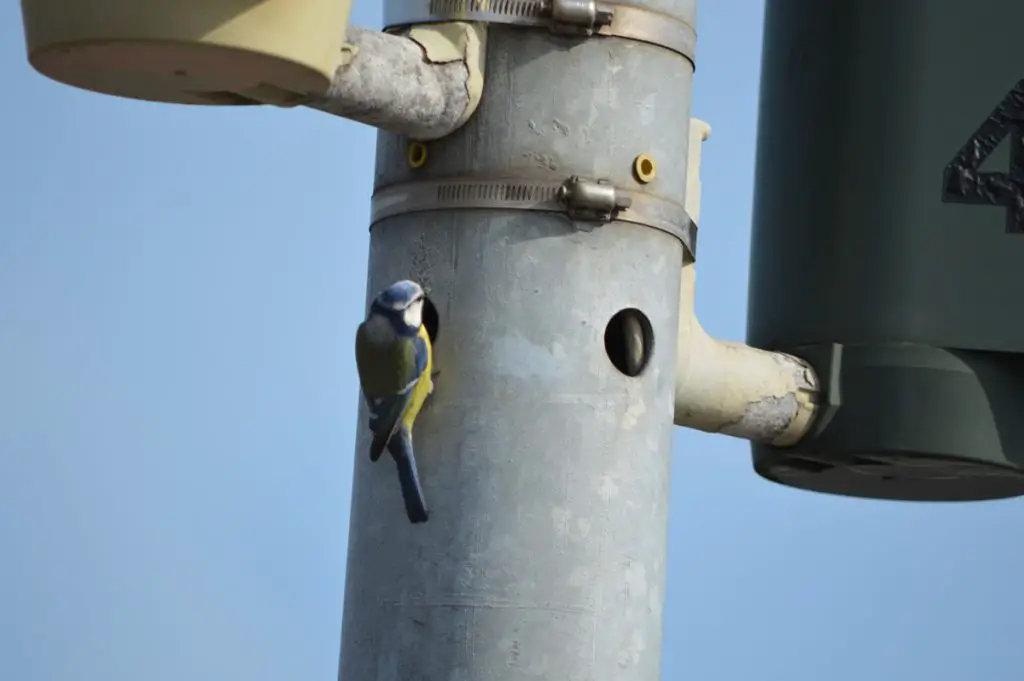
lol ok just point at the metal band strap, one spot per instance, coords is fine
(627, 21)
(413, 197)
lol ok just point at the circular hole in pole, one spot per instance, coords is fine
(431, 320)
(629, 341)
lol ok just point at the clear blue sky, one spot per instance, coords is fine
(179, 288)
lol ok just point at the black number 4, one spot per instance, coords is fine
(963, 181)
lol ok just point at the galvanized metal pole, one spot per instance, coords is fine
(545, 466)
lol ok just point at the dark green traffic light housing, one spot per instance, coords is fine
(888, 242)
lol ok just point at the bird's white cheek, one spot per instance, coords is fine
(413, 316)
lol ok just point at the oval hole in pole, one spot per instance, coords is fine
(431, 319)
(629, 341)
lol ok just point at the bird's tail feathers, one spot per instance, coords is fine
(401, 451)
(380, 442)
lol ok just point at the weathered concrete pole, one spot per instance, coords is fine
(545, 466)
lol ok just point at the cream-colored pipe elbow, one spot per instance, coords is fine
(728, 387)
(424, 82)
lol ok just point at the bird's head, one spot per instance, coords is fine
(402, 303)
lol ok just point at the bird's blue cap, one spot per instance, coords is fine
(399, 295)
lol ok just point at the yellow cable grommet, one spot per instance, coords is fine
(416, 154)
(644, 168)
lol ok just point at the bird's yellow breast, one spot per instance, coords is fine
(424, 385)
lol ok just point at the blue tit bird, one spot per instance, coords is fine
(394, 360)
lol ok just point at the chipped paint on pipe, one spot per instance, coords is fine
(424, 83)
(729, 387)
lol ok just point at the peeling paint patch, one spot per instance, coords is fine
(560, 520)
(770, 417)
(614, 65)
(580, 576)
(637, 408)
(515, 356)
(633, 651)
(542, 160)
(636, 580)
(655, 602)
(656, 266)
(607, 488)
(511, 648)
(583, 527)
(648, 106)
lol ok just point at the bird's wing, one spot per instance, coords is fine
(420, 357)
(386, 412)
